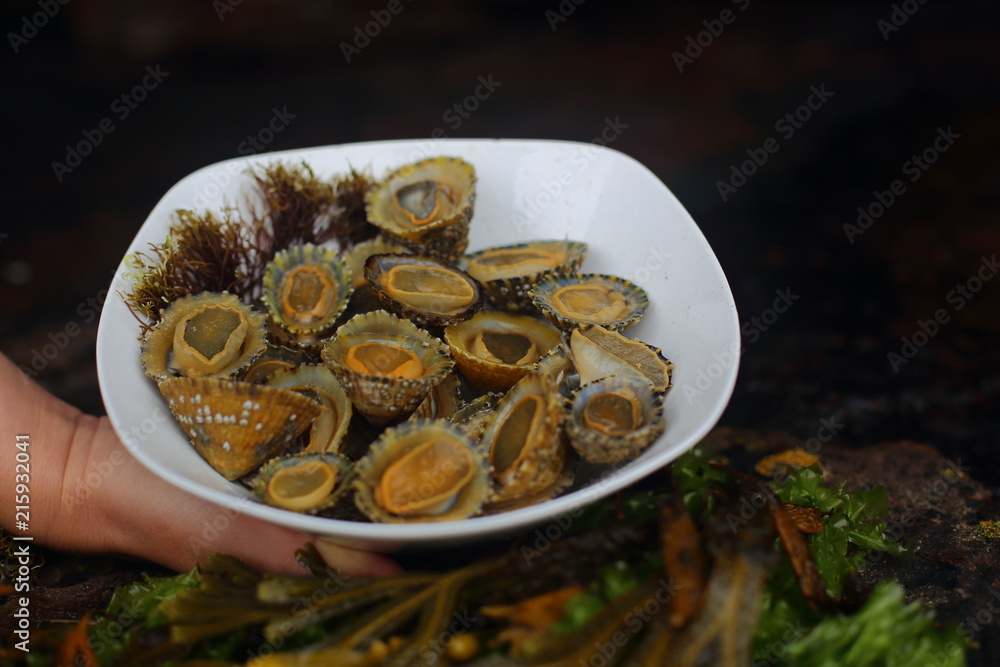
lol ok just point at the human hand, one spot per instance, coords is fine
(88, 494)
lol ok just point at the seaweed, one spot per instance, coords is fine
(208, 252)
(202, 253)
(625, 592)
(298, 208)
(349, 221)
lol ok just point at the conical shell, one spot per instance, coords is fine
(320, 384)
(384, 397)
(422, 471)
(212, 334)
(597, 352)
(523, 437)
(306, 288)
(359, 254)
(573, 300)
(426, 206)
(508, 272)
(539, 495)
(341, 473)
(236, 426)
(519, 340)
(423, 290)
(612, 420)
(442, 401)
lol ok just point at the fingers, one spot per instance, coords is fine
(355, 562)
(167, 525)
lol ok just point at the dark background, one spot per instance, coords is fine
(826, 358)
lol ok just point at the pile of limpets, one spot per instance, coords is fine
(404, 380)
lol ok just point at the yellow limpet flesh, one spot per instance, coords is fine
(520, 427)
(425, 479)
(505, 347)
(429, 288)
(593, 303)
(598, 352)
(302, 487)
(307, 294)
(511, 262)
(375, 358)
(208, 339)
(612, 414)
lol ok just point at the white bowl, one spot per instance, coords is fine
(634, 226)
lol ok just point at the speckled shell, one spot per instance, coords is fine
(597, 352)
(378, 270)
(485, 374)
(380, 398)
(341, 488)
(442, 401)
(547, 292)
(236, 426)
(319, 383)
(306, 330)
(446, 233)
(506, 286)
(540, 461)
(395, 443)
(158, 349)
(597, 446)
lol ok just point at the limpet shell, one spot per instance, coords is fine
(524, 438)
(320, 384)
(423, 290)
(612, 420)
(508, 272)
(494, 350)
(597, 352)
(308, 482)
(573, 300)
(234, 425)
(386, 365)
(426, 206)
(212, 334)
(306, 288)
(422, 471)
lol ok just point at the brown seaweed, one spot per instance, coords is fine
(202, 253)
(206, 253)
(297, 208)
(349, 221)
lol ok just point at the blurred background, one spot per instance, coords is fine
(857, 97)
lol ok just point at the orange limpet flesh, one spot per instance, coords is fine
(425, 479)
(375, 358)
(590, 302)
(429, 288)
(307, 294)
(302, 487)
(611, 414)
